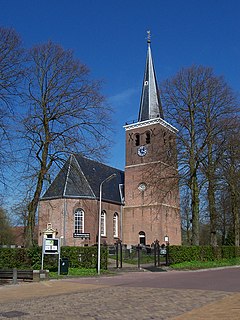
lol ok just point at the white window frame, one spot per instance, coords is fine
(79, 216)
(103, 224)
(115, 225)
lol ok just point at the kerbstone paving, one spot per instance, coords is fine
(100, 302)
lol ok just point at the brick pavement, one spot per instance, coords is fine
(226, 308)
(105, 300)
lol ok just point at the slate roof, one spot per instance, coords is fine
(80, 177)
(150, 106)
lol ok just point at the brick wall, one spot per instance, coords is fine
(154, 211)
(60, 213)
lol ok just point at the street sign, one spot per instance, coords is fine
(82, 235)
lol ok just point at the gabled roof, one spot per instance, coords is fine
(150, 106)
(81, 178)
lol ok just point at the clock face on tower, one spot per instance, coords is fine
(142, 151)
(142, 186)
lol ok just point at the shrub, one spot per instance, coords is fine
(178, 254)
(23, 258)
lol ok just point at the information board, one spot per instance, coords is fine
(51, 246)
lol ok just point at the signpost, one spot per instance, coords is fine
(51, 246)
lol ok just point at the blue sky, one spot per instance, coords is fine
(110, 37)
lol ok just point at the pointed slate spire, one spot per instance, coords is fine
(150, 107)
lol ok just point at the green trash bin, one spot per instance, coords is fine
(64, 263)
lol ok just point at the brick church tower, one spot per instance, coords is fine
(151, 208)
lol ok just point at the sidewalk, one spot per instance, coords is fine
(27, 290)
(107, 298)
(227, 308)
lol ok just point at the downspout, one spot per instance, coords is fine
(64, 221)
(121, 210)
(65, 203)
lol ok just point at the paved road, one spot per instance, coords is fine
(172, 295)
(226, 279)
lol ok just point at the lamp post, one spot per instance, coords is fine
(166, 239)
(99, 219)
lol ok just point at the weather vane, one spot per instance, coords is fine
(149, 36)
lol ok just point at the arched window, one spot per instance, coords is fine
(103, 223)
(79, 221)
(137, 139)
(148, 139)
(115, 225)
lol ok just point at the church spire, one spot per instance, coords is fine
(150, 107)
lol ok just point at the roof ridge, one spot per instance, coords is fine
(103, 164)
(84, 175)
(80, 177)
(66, 181)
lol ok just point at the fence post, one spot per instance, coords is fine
(120, 254)
(116, 246)
(138, 255)
(167, 254)
(14, 275)
(155, 254)
(158, 253)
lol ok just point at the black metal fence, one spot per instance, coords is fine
(156, 255)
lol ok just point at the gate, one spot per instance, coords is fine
(153, 257)
(140, 256)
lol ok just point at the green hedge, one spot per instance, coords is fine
(79, 257)
(85, 257)
(178, 254)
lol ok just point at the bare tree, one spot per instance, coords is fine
(11, 60)
(66, 113)
(199, 102)
(230, 174)
(181, 97)
(216, 111)
(6, 235)
(186, 216)
(225, 219)
(11, 72)
(21, 212)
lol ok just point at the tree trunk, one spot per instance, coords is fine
(235, 215)
(188, 227)
(194, 182)
(212, 211)
(211, 196)
(224, 223)
(195, 211)
(32, 209)
(233, 185)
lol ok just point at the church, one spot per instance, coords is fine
(136, 206)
